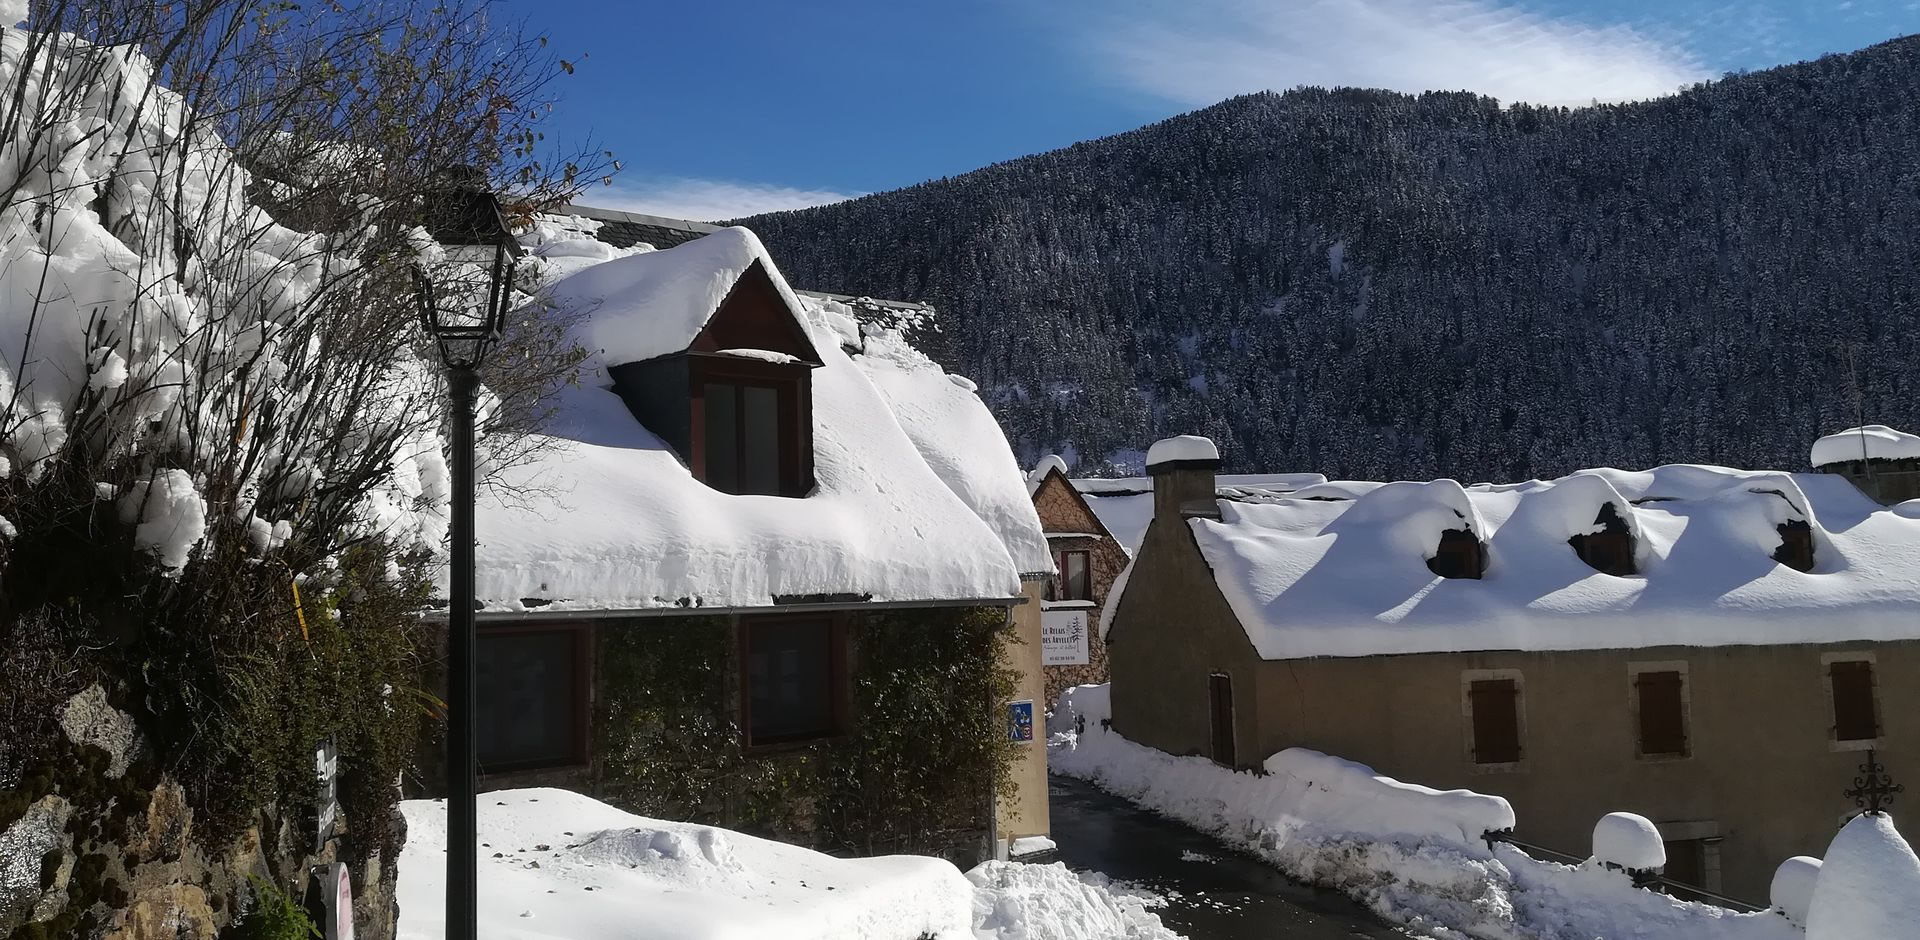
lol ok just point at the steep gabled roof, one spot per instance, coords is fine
(607, 518)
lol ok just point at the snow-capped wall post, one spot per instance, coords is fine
(1630, 843)
(1182, 469)
(464, 314)
(1868, 886)
(1792, 889)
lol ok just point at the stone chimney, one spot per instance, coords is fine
(1182, 469)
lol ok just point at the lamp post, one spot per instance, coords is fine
(462, 299)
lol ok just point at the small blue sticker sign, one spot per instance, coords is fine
(1020, 720)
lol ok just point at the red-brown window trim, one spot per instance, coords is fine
(580, 744)
(793, 383)
(840, 680)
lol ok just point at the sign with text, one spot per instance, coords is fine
(1063, 637)
(326, 803)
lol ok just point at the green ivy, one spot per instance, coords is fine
(928, 744)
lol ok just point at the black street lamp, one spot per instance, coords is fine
(463, 300)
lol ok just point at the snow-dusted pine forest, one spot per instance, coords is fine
(1372, 284)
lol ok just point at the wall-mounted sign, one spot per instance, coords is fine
(326, 802)
(1020, 720)
(1063, 637)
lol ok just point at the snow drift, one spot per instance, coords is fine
(1412, 854)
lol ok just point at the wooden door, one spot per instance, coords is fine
(1220, 692)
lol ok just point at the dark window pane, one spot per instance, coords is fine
(1853, 712)
(1662, 713)
(760, 457)
(526, 703)
(1076, 580)
(790, 681)
(1496, 721)
(723, 437)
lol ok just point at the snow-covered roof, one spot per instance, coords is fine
(1125, 504)
(946, 420)
(918, 496)
(1872, 442)
(1340, 569)
(654, 303)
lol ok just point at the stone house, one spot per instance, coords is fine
(1087, 559)
(1717, 650)
(763, 540)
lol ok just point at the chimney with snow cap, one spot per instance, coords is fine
(1182, 469)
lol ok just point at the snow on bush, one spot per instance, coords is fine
(1410, 853)
(1869, 884)
(169, 516)
(559, 864)
(1629, 841)
(1792, 889)
(1013, 901)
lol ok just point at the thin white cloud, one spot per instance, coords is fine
(705, 200)
(1200, 51)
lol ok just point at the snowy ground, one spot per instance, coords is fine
(1366, 836)
(556, 865)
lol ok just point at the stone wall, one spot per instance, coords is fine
(106, 847)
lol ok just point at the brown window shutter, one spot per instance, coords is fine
(1663, 729)
(1853, 712)
(1496, 720)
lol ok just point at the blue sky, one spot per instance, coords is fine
(724, 109)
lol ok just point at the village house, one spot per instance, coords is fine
(769, 568)
(1718, 650)
(1093, 525)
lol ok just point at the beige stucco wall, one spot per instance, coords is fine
(1762, 774)
(1025, 814)
(1762, 769)
(1170, 632)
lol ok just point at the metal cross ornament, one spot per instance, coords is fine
(1873, 790)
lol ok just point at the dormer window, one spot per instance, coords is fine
(1610, 550)
(737, 404)
(1459, 555)
(1796, 545)
(747, 426)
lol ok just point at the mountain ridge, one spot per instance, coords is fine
(1371, 283)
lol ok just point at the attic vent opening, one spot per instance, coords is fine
(1610, 550)
(1459, 555)
(1796, 545)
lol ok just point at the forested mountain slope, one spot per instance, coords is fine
(1367, 283)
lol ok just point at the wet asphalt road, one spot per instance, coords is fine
(1213, 892)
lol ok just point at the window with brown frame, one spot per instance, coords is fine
(751, 433)
(1495, 707)
(1662, 711)
(1855, 717)
(531, 707)
(793, 678)
(1073, 579)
